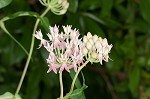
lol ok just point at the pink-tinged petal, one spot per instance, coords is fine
(106, 58)
(110, 46)
(48, 47)
(43, 42)
(67, 68)
(40, 45)
(56, 43)
(55, 29)
(57, 65)
(38, 35)
(52, 56)
(67, 29)
(49, 36)
(50, 68)
(61, 69)
(54, 69)
(100, 58)
(75, 68)
(62, 45)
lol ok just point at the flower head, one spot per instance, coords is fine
(64, 49)
(67, 51)
(96, 48)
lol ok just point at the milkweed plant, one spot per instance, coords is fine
(66, 49)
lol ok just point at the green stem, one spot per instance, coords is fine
(61, 85)
(30, 52)
(74, 79)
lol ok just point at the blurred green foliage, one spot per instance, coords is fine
(125, 23)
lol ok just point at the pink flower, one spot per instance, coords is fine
(39, 36)
(64, 66)
(53, 67)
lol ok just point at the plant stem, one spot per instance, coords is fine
(30, 52)
(61, 85)
(74, 79)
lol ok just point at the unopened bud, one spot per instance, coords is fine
(88, 45)
(94, 55)
(91, 41)
(104, 42)
(95, 38)
(89, 35)
(98, 44)
(100, 39)
(85, 39)
(106, 51)
(84, 51)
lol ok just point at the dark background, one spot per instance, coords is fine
(126, 25)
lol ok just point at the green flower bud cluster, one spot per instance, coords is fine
(58, 7)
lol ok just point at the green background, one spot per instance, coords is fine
(126, 25)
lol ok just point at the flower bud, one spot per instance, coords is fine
(89, 35)
(104, 42)
(85, 39)
(95, 38)
(84, 51)
(98, 44)
(91, 41)
(58, 7)
(94, 55)
(100, 39)
(88, 45)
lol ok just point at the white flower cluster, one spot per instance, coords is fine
(95, 48)
(67, 51)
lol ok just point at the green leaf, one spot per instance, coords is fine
(144, 8)
(78, 85)
(78, 92)
(33, 86)
(72, 74)
(45, 23)
(90, 4)
(73, 5)
(93, 27)
(111, 23)
(122, 10)
(20, 13)
(134, 79)
(106, 7)
(15, 15)
(121, 87)
(4, 3)
(9, 95)
(147, 93)
(6, 95)
(6, 31)
(95, 18)
(17, 97)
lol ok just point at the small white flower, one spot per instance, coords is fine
(95, 38)
(89, 35)
(85, 39)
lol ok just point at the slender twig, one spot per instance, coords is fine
(61, 85)
(30, 52)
